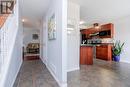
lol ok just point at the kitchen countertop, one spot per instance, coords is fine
(96, 44)
(86, 45)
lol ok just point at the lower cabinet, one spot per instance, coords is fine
(104, 52)
(86, 55)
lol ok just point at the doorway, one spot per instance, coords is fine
(31, 43)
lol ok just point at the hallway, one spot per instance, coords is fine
(34, 74)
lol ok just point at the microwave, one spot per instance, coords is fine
(105, 33)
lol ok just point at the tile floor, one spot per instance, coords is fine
(101, 74)
(34, 74)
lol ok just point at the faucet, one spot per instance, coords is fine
(84, 41)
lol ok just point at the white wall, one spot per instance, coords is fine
(44, 41)
(122, 29)
(41, 42)
(121, 32)
(27, 38)
(55, 51)
(73, 39)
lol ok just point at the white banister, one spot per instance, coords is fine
(7, 34)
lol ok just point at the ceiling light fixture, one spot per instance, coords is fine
(70, 29)
(81, 22)
(68, 32)
(96, 25)
(23, 20)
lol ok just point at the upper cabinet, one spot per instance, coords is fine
(109, 29)
(105, 31)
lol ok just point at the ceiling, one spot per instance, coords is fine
(91, 10)
(102, 10)
(33, 12)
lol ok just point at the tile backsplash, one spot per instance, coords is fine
(107, 40)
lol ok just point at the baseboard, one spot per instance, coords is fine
(45, 62)
(29, 58)
(73, 69)
(124, 61)
(59, 83)
(16, 74)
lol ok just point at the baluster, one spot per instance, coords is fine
(0, 52)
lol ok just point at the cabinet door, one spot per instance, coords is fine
(101, 52)
(104, 52)
(106, 27)
(98, 53)
(91, 31)
(83, 55)
(89, 58)
(83, 31)
(86, 55)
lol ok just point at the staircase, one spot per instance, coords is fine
(9, 32)
(3, 30)
(5, 38)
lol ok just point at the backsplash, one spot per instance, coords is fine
(107, 40)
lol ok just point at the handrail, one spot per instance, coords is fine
(3, 19)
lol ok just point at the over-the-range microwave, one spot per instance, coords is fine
(104, 33)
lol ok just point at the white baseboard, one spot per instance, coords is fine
(73, 69)
(59, 83)
(125, 61)
(15, 77)
(44, 61)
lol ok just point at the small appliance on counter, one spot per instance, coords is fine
(94, 41)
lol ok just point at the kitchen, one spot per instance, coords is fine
(96, 43)
(91, 42)
(87, 41)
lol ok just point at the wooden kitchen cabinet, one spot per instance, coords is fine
(83, 31)
(86, 55)
(106, 27)
(104, 52)
(91, 31)
(88, 31)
